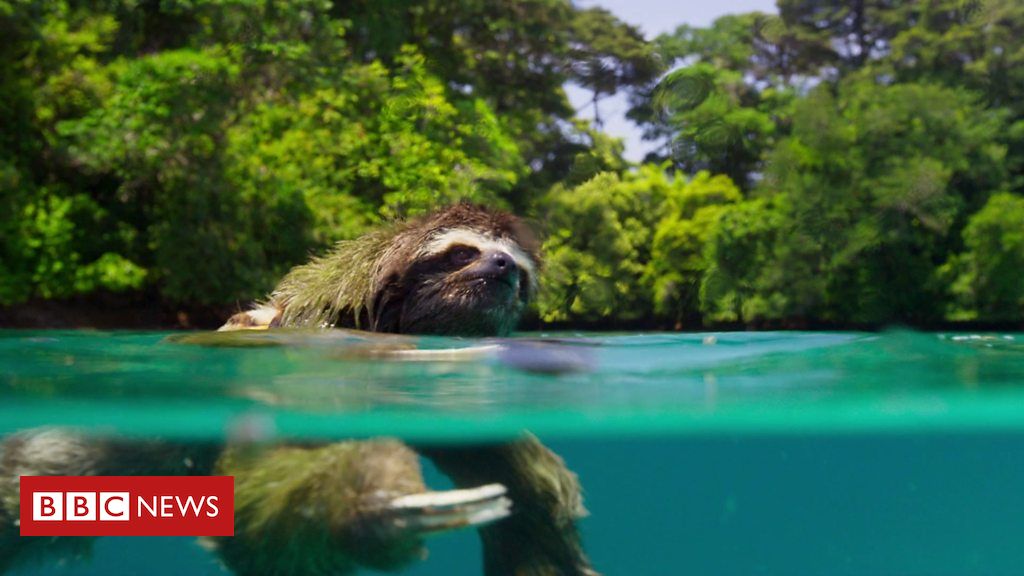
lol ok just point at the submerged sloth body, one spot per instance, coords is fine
(463, 271)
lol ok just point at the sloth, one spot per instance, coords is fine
(335, 508)
(463, 271)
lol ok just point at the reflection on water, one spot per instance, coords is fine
(704, 444)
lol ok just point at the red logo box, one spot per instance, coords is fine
(127, 506)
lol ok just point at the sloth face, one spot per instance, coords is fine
(461, 282)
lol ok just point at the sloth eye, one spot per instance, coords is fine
(462, 255)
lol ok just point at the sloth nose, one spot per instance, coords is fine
(499, 264)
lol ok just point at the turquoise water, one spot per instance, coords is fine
(730, 453)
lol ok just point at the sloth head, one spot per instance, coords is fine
(462, 271)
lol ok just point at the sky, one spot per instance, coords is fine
(653, 17)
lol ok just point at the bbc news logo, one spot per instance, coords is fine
(127, 506)
(81, 506)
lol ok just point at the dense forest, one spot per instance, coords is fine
(838, 163)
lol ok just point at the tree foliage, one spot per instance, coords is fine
(838, 162)
(629, 247)
(867, 190)
(867, 137)
(204, 147)
(987, 282)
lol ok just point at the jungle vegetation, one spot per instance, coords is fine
(844, 163)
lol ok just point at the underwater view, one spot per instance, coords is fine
(700, 453)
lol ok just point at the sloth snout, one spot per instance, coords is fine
(498, 264)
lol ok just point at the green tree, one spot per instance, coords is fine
(988, 283)
(204, 147)
(846, 34)
(58, 238)
(690, 215)
(729, 101)
(868, 192)
(598, 242)
(607, 55)
(517, 55)
(733, 287)
(630, 246)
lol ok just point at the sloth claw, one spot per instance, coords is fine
(433, 512)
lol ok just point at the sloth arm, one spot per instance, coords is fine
(540, 538)
(329, 509)
(259, 318)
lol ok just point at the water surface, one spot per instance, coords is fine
(729, 453)
(337, 385)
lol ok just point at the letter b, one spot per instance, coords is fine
(80, 506)
(47, 506)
